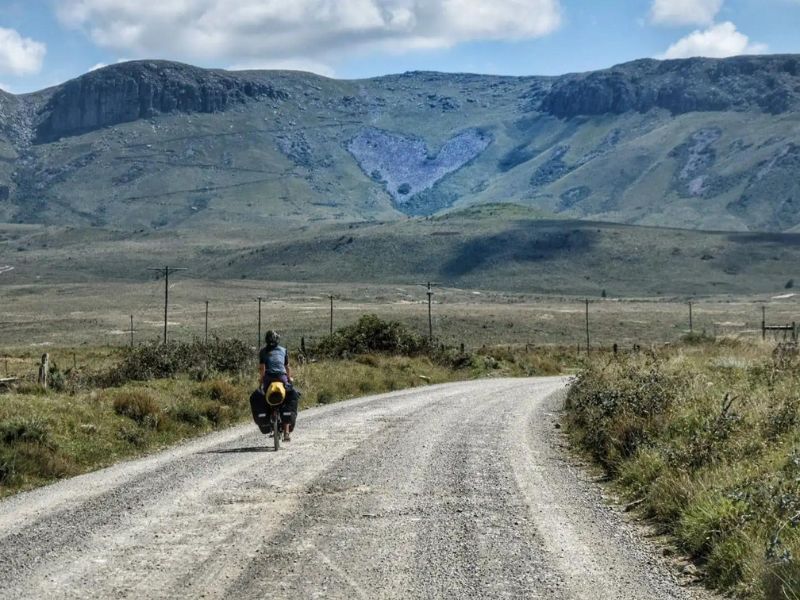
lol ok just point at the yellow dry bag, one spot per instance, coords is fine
(276, 393)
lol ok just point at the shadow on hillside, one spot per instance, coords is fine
(784, 239)
(528, 243)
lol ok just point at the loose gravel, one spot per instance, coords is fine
(461, 490)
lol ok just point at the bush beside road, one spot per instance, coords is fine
(703, 439)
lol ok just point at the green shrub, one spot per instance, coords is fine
(7, 466)
(224, 392)
(132, 435)
(188, 413)
(28, 451)
(784, 419)
(698, 339)
(638, 474)
(781, 576)
(325, 397)
(613, 414)
(57, 379)
(667, 498)
(32, 430)
(24, 461)
(727, 558)
(706, 520)
(158, 361)
(217, 414)
(138, 405)
(371, 334)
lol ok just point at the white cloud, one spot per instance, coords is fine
(312, 32)
(19, 55)
(684, 12)
(100, 65)
(718, 41)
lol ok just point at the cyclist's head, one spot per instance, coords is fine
(272, 338)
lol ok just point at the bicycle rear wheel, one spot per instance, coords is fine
(276, 429)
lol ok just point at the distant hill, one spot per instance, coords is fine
(698, 143)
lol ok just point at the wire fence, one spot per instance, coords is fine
(454, 317)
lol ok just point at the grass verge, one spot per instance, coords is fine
(704, 436)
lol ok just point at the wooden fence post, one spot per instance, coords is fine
(44, 370)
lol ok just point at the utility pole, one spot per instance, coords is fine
(763, 323)
(691, 324)
(331, 298)
(429, 286)
(131, 332)
(206, 322)
(587, 326)
(166, 271)
(258, 343)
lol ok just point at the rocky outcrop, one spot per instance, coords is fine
(142, 89)
(761, 83)
(406, 167)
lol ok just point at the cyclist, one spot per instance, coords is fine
(273, 365)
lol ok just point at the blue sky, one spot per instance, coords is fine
(45, 42)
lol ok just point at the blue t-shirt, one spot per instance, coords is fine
(274, 359)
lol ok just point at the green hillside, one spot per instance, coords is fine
(699, 144)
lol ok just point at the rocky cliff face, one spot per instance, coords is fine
(748, 83)
(142, 89)
(8, 107)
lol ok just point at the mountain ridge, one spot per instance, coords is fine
(692, 143)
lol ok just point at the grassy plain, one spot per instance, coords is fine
(43, 316)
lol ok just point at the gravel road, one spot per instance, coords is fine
(454, 491)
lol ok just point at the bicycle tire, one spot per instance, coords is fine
(276, 429)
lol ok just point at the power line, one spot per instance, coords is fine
(331, 328)
(166, 271)
(258, 342)
(429, 285)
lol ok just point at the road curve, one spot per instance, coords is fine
(452, 491)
